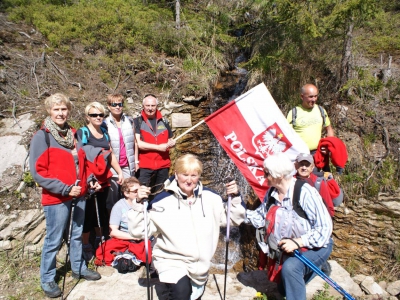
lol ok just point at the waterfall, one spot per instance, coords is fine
(231, 85)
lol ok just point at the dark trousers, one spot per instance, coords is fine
(153, 178)
(91, 214)
(180, 290)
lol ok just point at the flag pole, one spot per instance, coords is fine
(190, 129)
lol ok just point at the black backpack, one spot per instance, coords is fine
(294, 116)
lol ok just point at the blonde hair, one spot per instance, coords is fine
(57, 99)
(112, 98)
(187, 163)
(95, 105)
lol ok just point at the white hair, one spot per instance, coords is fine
(279, 165)
(150, 96)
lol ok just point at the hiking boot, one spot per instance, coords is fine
(87, 274)
(51, 289)
(326, 268)
(87, 252)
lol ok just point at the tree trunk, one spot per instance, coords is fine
(178, 14)
(346, 64)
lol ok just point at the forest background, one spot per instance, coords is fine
(349, 48)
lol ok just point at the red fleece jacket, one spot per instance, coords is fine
(337, 149)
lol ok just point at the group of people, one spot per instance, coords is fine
(85, 168)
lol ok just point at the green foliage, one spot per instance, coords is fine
(324, 294)
(365, 86)
(381, 34)
(28, 179)
(369, 139)
(115, 26)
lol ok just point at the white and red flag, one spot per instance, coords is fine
(251, 128)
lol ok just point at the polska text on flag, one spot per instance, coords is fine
(251, 128)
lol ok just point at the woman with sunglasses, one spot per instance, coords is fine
(122, 139)
(99, 160)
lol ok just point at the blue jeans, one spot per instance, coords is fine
(57, 219)
(295, 274)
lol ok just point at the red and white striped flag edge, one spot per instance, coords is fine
(251, 128)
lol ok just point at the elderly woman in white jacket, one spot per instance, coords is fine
(186, 219)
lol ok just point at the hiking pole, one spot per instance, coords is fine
(101, 230)
(71, 218)
(228, 218)
(146, 247)
(325, 277)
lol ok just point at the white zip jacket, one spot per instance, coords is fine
(128, 137)
(187, 231)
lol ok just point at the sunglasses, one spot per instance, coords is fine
(116, 104)
(266, 174)
(96, 115)
(134, 191)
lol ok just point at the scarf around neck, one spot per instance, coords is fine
(63, 136)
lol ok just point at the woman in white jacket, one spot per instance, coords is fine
(186, 219)
(122, 139)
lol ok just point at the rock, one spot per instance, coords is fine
(340, 276)
(22, 222)
(5, 245)
(359, 278)
(393, 288)
(181, 120)
(136, 284)
(371, 287)
(382, 284)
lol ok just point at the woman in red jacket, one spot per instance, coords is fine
(56, 163)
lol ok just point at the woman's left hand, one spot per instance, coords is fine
(231, 188)
(289, 246)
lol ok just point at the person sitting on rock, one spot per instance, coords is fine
(121, 241)
(314, 227)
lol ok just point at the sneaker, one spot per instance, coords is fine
(51, 289)
(326, 268)
(87, 274)
(87, 252)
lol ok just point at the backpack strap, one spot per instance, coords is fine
(294, 116)
(270, 200)
(318, 182)
(105, 132)
(85, 135)
(321, 109)
(138, 124)
(296, 199)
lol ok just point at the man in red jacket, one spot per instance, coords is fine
(304, 165)
(154, 139)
